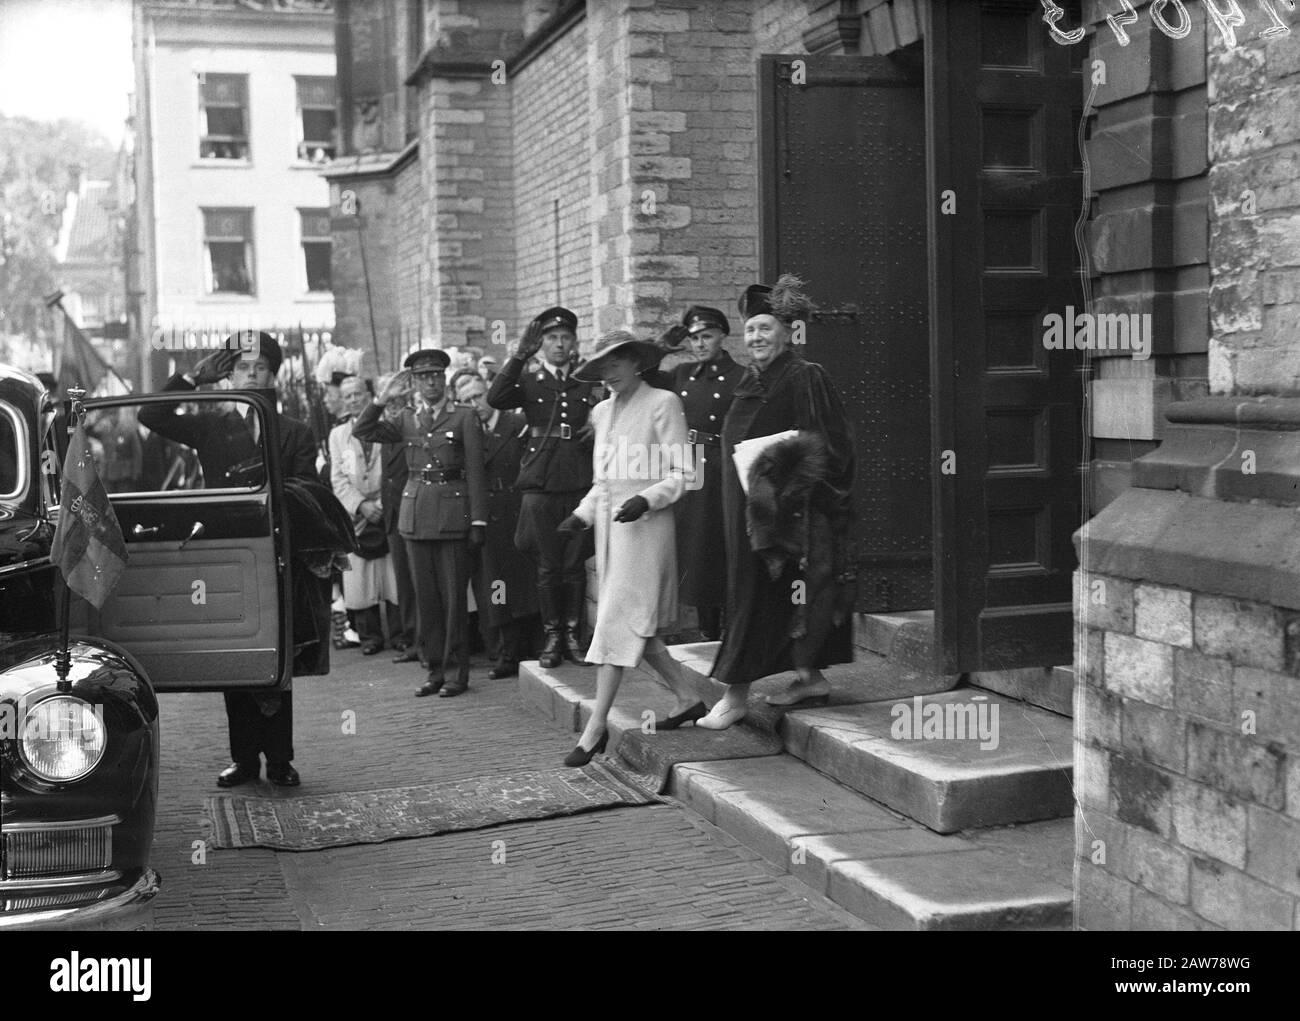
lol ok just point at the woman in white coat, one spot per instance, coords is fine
(640, 457)
(356, 478)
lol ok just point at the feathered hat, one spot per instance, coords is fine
(785, 301)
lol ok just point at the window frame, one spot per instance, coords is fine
(202, 79)
(302, 152)
(250, 251)
(304, 239)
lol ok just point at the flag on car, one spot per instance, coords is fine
(88, 544)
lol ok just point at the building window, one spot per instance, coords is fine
(223, 116)
(316, 248)
(316, 119)
(228, 250)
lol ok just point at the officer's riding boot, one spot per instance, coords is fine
(553, 651)
(574, 604)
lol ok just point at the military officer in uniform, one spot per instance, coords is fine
(705, 386)
(443, 509)
(555, 472)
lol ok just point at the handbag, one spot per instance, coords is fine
(372, 539)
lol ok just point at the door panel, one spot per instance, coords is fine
(1003, 112)
(203, 602)
(843, 181)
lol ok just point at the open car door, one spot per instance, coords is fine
(194, 478)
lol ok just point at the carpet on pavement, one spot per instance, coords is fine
(372, 817)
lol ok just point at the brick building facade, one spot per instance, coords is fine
(615, 157)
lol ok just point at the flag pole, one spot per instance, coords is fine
(63, 658)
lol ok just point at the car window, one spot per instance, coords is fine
(177, 446)
(13, 462)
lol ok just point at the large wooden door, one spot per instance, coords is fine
(842, 150)
(1004, 107)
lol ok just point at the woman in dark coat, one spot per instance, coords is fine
(789, 561)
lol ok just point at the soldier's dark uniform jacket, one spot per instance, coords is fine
(706, 391)
(557, 458)
(445, 490)
(501, 560)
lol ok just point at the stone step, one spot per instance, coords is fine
(951, 761)
(1048, 687)
(884, 868)
(887, 869)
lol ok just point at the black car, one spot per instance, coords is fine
(203, 605)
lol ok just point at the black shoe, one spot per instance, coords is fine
(452, 690)
(553, 651)
(410, 655)
(698, 711)
(430, 687)
(571, 648)
(237, 773)
(282, 775)
(503, 670)
(371, 647)
(580, 756)
(399, 645)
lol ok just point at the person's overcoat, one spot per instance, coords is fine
(640, 450)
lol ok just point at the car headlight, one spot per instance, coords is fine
(62, 738)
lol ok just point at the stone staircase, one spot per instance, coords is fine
(904, 830)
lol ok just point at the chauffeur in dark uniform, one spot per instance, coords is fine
(555, 472)
(260, 724)
(443, 510)
(705, 386)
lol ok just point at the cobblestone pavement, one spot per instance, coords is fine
(655, 867)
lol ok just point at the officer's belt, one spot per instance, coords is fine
(431, 475)
(700, 436)
(564, 432)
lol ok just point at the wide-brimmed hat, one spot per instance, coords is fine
(618, 340)
(427, 358)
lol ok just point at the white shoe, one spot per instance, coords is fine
(350, 635)
(721, 716)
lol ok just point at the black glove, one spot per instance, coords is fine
(674, 338)
(531, 341)
(477, 535)
(632, 509)
(572, 525)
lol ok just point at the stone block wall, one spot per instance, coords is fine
(1147, 162)
(1187, 764)
(1254, 132)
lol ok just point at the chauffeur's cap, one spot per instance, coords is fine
(259, 345)
(699, 318)
(557, 316)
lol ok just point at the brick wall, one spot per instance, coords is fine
(1254, 128)
(1187, 776)
(409, 271)
(552, 160)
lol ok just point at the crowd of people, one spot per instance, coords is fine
(477, 494)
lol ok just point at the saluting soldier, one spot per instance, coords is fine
(705, 387)
(443, 509)
(555, 472)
